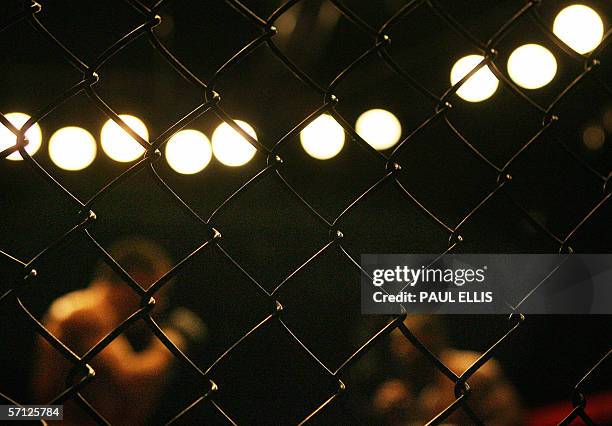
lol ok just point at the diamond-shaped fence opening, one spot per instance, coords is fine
(267, 253)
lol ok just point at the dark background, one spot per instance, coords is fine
(268, 231)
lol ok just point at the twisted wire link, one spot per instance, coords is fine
(578, 399)
(388, 167)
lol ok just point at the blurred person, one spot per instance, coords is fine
(421, 391)
(130, 373)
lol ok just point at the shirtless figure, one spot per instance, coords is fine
(130, 371)
(421, 391)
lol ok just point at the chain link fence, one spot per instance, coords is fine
(389, 168)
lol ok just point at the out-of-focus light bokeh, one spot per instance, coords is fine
(532, 66)
(323, 138)
(188, 151)
(230, 147)
(8, 138)
(480, 86)
(580, 27)
(594, 137)
(379, 128)
(118, 144)
(72, 148)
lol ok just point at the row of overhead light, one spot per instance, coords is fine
(532, 66)
(190, 151)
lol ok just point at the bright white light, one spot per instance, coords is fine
(532, 66)
(188, 151)
(380, 128)
(8, 138)
(72, 148)
(580, 27)
(118, 144)
(230, 147)
(323, 138)
(479, 86)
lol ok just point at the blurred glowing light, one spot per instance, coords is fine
(118, 144)
(188, 152)
(380, 128)
(593, 137)
(286, 23)
(479, 86)
(8, 138)
(230, 147)
(323, 138)
(580, 27)
(532, 66)
(72, 148)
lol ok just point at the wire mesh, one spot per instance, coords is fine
(388, 167)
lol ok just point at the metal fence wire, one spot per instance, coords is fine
(389, 168)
